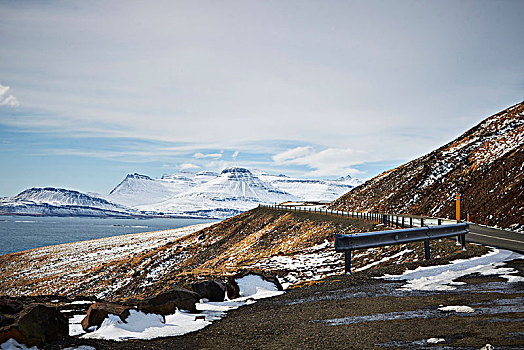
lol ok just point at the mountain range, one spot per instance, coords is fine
(196, 194)
(484, 166)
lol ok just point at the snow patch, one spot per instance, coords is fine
(12, 344)
(435, 340)
(139, 325)
(457, 308)
(441, 277)
(254, 285)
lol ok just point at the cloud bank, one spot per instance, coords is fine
(6, 98)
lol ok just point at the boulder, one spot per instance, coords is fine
(35, 325)
(98, 312)
(10, 306)
(167, 302)
(6, 320)
(233, 290)
(211, 290)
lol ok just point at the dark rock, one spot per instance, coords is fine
(98, 312)
(10, 306)
(211, 290)
(167, 302)
(6, 320)
(232, 289)
(36, 324)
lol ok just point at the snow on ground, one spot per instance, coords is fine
(12, 344)
(435, 340)
(315, 263)
(72, 261)
(140, 325)
(441, 277)
(457, 308)
(387, 258)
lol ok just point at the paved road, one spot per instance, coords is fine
(496, 238)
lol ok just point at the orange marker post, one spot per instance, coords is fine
(457, 202)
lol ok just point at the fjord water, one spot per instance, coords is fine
(19, 233)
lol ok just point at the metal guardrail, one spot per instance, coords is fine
(392, 220)
(412, 229)
(347, 243)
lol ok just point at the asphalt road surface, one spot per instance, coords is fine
(496, 238)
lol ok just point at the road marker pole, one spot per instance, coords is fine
(457, 207)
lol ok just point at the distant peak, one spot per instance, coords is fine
(138, 176)
(235, 170)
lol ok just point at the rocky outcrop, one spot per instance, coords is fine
(210, 290)
(10, 306)
(98, 312)
(168, 301)
(34, 325)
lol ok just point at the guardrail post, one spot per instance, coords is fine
(426, 249)
(463, 241)
(439, 222)
(396, 221)
(410, 222)
(402, 222)
(347, 262)
(421, 222)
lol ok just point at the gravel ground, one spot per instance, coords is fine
(361, 312)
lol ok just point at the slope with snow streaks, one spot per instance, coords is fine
(485, 166)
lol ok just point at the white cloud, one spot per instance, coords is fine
(186, 166)
(209, 155)
(7, 99)
(235, 155)
(328, 162)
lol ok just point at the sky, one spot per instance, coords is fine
(93, 90)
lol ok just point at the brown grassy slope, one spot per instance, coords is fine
(242, 241)
(221, 249)
(485, 166)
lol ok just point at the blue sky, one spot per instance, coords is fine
(91, 91)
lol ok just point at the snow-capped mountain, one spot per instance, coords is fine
(59, 201)
(141, 190)
(310, 189)
(485, 165)
(203, 194)
(235, 190)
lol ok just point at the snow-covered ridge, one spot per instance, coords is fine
(61, 202)
(200, 194)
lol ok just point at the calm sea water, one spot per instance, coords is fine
(24, 232)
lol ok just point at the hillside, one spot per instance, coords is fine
(297, 247)
(485, 165)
